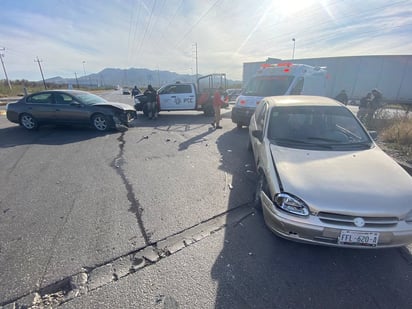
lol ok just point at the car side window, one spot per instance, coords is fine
(41, 98)
(61, 98)
(167, 90)
(260, 117)
(184, 89)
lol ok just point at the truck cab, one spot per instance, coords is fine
(284, 78)
(177, 96)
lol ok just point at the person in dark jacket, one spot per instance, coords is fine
(150, 93)
(135, 91)
(374, 105)
(364, 105)
(342, 97)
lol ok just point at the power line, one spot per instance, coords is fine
(146, 29)
(196, 23)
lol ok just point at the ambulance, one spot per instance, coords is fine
(283, 78)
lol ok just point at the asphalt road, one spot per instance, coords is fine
(159, 216)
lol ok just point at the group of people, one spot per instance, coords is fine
(368, 105)
(150, 93)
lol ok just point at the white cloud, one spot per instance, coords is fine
(160, 34)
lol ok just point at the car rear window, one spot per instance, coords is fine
(41, 98)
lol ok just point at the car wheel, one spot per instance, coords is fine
(28, 122)
(100, 122)
(260, 186)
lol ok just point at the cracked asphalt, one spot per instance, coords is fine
(86, 199)
(159, 216)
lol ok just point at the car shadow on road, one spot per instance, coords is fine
(48, 135)
(256, 269)
(180, 122)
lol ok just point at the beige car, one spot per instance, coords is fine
(323, 180)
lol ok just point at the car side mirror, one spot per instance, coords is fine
(258, 134)
(75, 103)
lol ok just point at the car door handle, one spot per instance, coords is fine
(173, 96)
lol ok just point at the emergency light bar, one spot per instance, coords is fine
(274, 65)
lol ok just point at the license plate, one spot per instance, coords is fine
(358, 238)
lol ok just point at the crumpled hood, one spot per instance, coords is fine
(366, 182)
(121, 106)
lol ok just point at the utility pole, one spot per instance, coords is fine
(84, 71)
(77, 81)
(293, 52)
(158, 76)
(4, 68)
(41, 71)
(197, 68)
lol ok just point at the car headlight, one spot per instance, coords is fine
(291, 204)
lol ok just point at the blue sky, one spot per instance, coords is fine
(77, 36)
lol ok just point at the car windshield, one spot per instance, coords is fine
(268, 86)
(88, 98)
(323, 127)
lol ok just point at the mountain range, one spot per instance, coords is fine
(129, 78)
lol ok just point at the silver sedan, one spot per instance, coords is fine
(323, 180)
(69, 107)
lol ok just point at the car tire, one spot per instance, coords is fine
(100, 122)
(28, 122)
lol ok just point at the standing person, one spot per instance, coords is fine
(342, 97)
(135, 91)
(364, 106)
(150, 93)
(217, 104)
(374, 105)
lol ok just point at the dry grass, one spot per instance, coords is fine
(396, 133)
(399, 132)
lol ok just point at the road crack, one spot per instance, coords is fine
(135, 206)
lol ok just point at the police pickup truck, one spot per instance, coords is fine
(182, 96)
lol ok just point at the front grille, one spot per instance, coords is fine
(336, 219)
